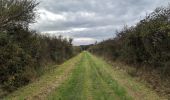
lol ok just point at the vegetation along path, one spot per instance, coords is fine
(84, 77)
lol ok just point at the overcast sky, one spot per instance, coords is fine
(87, 21)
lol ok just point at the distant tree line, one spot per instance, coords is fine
(85, 47)
(24, 52)
(146, 43)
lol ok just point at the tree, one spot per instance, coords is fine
(16, 13)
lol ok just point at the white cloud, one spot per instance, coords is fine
(83, 41)
(66, 31)
(49, 16)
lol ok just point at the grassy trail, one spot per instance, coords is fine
(84, 77)
(47, 83)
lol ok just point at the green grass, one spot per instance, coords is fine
(87, 78)
(136, 89)
(73, 88)
(113, 91)
(89, 81)
(44, 81)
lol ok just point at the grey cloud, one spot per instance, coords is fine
(93, 14)
(96, 33)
